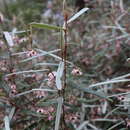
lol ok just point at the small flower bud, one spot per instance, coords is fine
(40, 110)
(13, 86)
(52, 75)
(40, 94)
(14, 91)
(121, 98)
(76, 72)
(50, 117)
(31, 53)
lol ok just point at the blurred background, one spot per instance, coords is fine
(98, 44)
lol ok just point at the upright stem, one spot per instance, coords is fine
(64, 52)
(65, 49)
(30, 36)
(11, 67)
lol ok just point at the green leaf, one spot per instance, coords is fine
(60, 69)
(7, 124)
(77, 14)
(122, 77)
(111, 112)
(54, 56)
(19, 53)
(59, 75)
(105, 119)
(43, 53)
(28, 71)
(86, 123)
(87, 90)
(58, 84)
(46, 64)
(21, 32)
(109, 82)
(32, 90)
(11, 113)
(58, 113)
(45, 26)
(116, 125)
(8, 38)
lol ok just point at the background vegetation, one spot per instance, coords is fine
(94, 93)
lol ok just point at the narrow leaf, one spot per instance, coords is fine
(6, 122)
(9, 39)
(28, 71)
(19, 53)
(81, 126)
(60, 69)
(58, 83)
(116, 125)
(77, 14)
(86, 123)
(122, 77)
(54, 56)
(45, 26)
(51, 64)
(43, 53)
(21, 32)
(105, 119)
(109, 82)
(11, 113)
(30, 91)
(87, 90)
(59, 75)
(58, 113)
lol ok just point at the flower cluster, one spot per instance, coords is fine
(31, 53)
(13, 89)
(51, 79)
(40, 94)
(47, 111)
(71, 117)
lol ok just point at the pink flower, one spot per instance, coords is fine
(16, 39)
(51, 109)
(50, 117)
(120, 98)
(51, 79)
(46, 112)
(31, 53)
(128, 122)
(72, 118)
(40, 94)
(51, 83)
(13, 86)
(52, 75)
(14, 91)
(76, 72)
(40, 110)
(24, 39)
